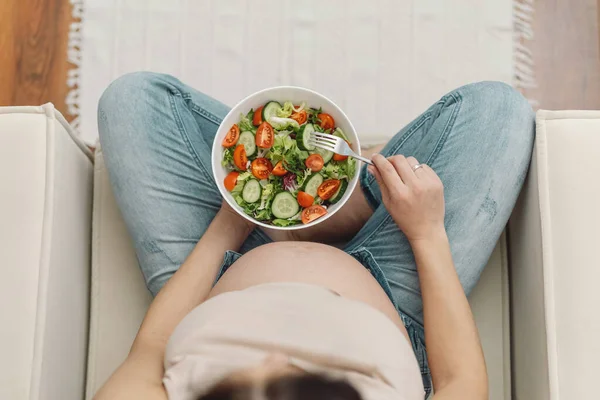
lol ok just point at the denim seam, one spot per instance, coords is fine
(374, 270)
(195, 107)
(173, 88)
(185, 136)
(202, 111)
(407, 136)
(411, 132)
(445, 132)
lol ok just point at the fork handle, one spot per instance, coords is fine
(363, 159)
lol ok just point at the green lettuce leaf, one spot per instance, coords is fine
(228, 158)
(350, 167)
(280, 123)
(244, 176)
(331, 170)
(246, 122)
(340, 169)
(264, 215)
(312, 115)
(286, 110)
(285, 222)
(285, 148)
(301, 178)
(268, 193)
(237, 190)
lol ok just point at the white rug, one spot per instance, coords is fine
(382, 61)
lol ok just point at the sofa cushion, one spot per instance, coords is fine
(45, 229)
(119, 297)
(555, 267)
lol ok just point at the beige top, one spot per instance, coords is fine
(320, 331)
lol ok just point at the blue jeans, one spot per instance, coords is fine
(157, 134)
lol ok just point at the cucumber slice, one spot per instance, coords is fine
(270, 110)
(303, 137)
(248, 140)
(251, 191)
(312, 184)
(284, 205)
(326, 154)
(340, 133)
(337, 196)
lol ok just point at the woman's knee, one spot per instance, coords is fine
(499, 105)
(124, 91)
(497, 98)
(127, 99)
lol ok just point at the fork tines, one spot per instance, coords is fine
(322, 140)
(324, 136)
(323, 144)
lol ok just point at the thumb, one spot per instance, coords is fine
(373, 170)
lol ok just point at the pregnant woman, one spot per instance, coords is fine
(250, 314)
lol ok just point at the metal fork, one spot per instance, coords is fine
(335, 144)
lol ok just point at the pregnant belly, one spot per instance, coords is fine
(311, 263)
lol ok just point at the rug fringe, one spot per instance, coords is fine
(524, 75)
(74, 56)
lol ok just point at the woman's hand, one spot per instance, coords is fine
(414, 198)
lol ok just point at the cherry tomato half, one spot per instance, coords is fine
(328, 188)
(315, 162)
(261, 168)
(231, 180)
(313, 212)
(279, 169)
(257, 119)
(265, 136)
(300, 117)
(232, 136)
(327, 121)
(305, 199)
(239, 157)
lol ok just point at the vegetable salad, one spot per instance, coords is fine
(276, 175)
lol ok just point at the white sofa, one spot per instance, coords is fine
(72, 296)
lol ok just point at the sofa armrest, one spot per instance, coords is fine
(45, 228)
(554, 264)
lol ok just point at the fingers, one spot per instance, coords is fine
(376, 174)
(429, 173)
(403, 169)
(419, 172)
(384, 190)
(389, 175)
(412, 161)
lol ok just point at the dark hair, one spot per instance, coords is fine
(302, 387)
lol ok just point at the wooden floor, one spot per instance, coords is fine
(33, 49)
(33, 45)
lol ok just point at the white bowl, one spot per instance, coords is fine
(281, 94)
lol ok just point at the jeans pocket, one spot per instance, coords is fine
(364, 256)
(417, 339)
(229, 258)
